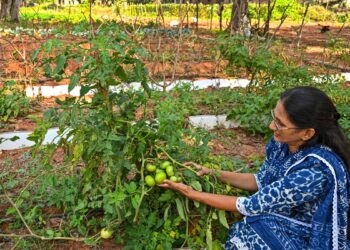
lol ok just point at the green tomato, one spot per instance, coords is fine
(165, 164)
(150, 181)
(105, 233)
(160, 177)
(159, 171)
(169, 170)
(179, 179)
(151, 168)
(173, 178)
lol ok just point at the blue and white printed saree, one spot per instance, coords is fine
(302, 202)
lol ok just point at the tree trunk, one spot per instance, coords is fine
(220, 10)
(10, 9)
(302, 24)
(267, 23)
(239, 11)
(15, 10)
(4, 11)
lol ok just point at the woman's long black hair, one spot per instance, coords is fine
(309, 107)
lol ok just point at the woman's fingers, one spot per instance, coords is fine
(180, 187)
(196, 165)
(190, 163)
(201, 170)
(163, 185)
(168, 184)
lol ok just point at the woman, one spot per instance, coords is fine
(303, 187)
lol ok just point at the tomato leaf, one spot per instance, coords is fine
(209, 239)
(35, 55)
(85, 89)
(47, 70)
(14, 138)
(86, 188)
(80, 206)
(196, 204)
(135, 201)
(121, 73)
(166, 213)
(50, 233)
(196, 185)
(131, 187)
(180, 209)
(108, 208)
(11, 210)
(73, 82)
(146, 87)
(222, 218)
(166, 196)
(60, 64)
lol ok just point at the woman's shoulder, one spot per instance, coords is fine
(321, 157)
(323, 154)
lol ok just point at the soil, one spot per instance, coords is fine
(195, 53)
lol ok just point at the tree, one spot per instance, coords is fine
(9, 9)
(238, 16)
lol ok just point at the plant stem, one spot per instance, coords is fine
(175, 161)
(187, 228)
(143, 192)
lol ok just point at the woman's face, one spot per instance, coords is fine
(284, 130)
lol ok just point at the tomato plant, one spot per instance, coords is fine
(107, 178)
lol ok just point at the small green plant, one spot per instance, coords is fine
(270, 76)
(13, 101)
(252, 110)
(260, 64)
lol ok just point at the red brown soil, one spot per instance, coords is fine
(235, 142)
(195, 55)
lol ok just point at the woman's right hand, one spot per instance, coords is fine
(201, 170)
(180, 187)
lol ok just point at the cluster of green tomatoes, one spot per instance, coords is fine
(157, 175)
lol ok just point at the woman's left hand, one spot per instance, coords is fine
(180, 187)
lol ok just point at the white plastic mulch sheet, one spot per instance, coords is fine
(203, 121)
(23, 142)
(48, 91)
